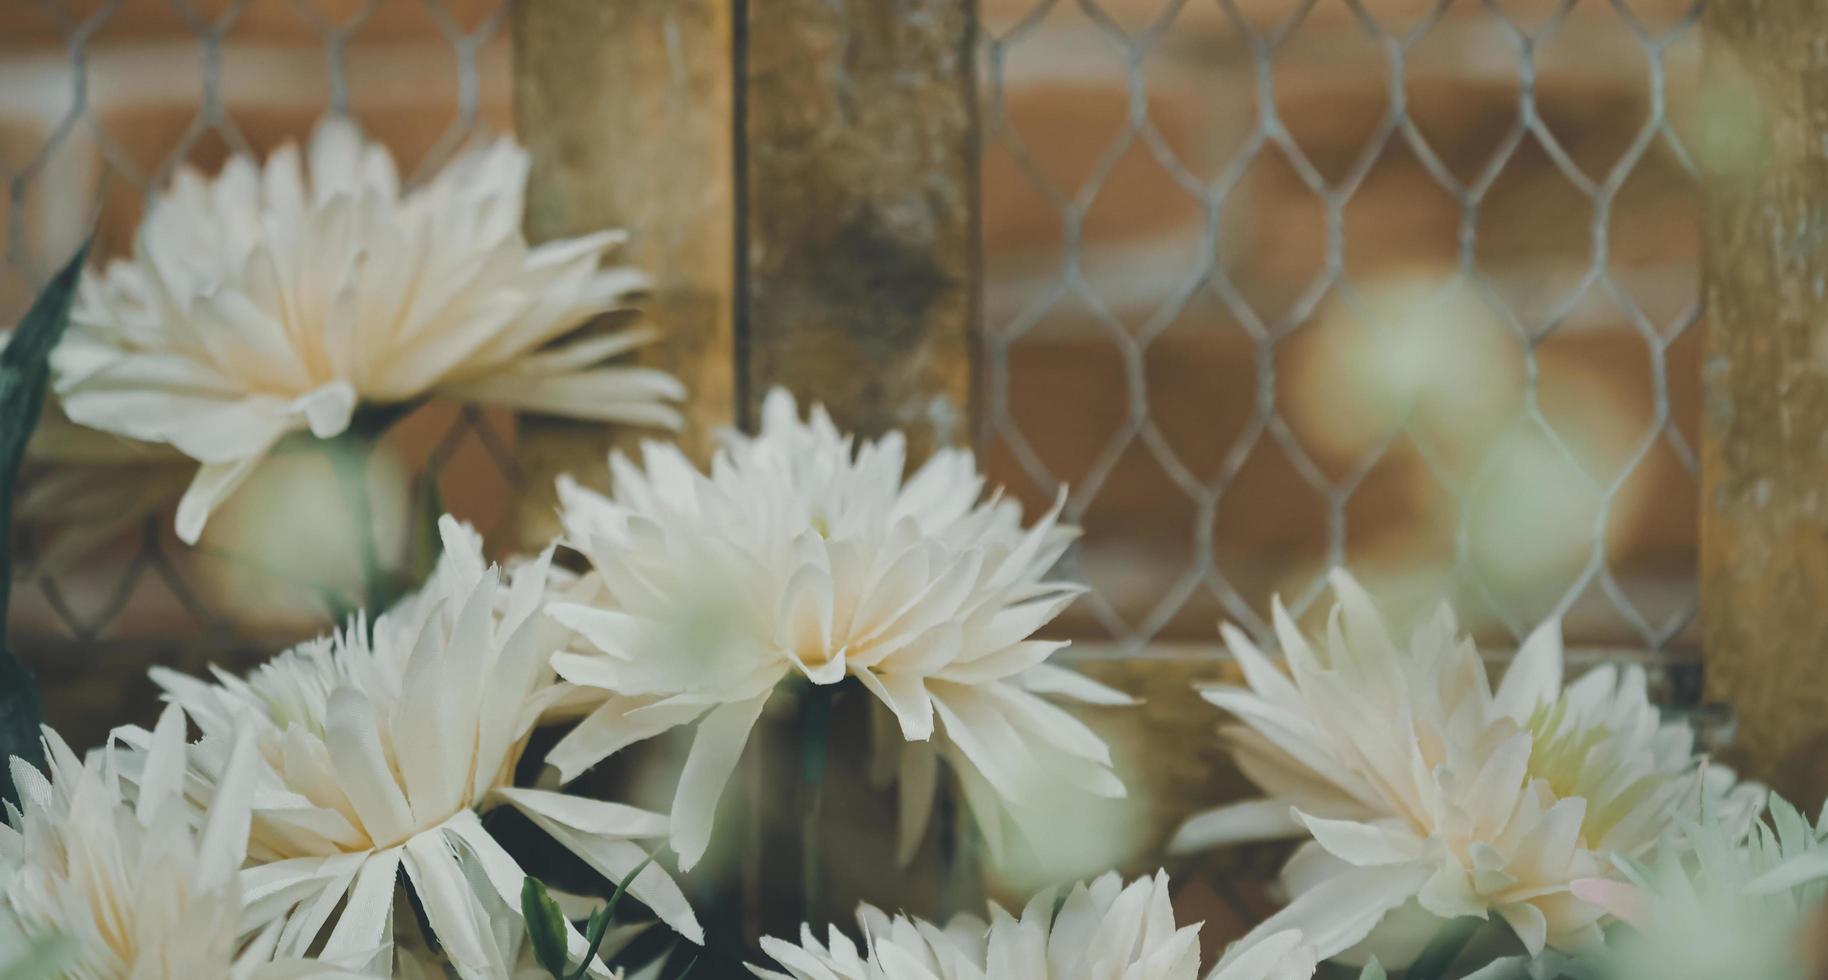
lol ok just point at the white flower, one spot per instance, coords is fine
(1103, 931)
(1418, 782)
(272, 300)
(146, 888)
(1717, 901)
(803, 555)
(377, 756)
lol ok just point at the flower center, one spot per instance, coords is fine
(1575, 761)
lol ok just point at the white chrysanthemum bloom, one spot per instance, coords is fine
(1418, 782)
(1102, 931)
(277, 299)
(145, 886)
(802, 554)
(1716, 901)
(379, 756)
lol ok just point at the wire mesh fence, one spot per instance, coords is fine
(1405, 286)
(1272, 285)
(100, 104)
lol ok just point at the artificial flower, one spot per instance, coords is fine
(1419, 783)
(278, 299)
(143, 886)
(380, 755)
(804, 555)
(1102, 931)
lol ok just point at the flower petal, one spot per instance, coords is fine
(721, 737)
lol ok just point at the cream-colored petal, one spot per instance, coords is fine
(719, 744)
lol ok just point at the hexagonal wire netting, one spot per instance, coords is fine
(1407, 286)
(1273, 285)
(101, 101)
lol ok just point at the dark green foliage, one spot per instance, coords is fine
(546, 926)
(24, 377)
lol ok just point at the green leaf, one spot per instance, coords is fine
(1373, 971)
(25, 371)
(546, 927)
(424, 541)
(45, 959)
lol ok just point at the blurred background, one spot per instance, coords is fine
(100, 101)
(1408, 285)
(1271, 285)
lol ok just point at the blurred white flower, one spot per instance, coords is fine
(276, 299)
(1417, 781)
(1717, 901)
(803, 554)
(1102, 930)
(145, 887)
(378, 755)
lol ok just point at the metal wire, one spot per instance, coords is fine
(1251, 51)
(1237, 48)
(151, 565)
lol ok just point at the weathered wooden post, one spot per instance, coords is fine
(627, 111)
(800, 178)
(1764, 517)
(861, 187)
(859, 290)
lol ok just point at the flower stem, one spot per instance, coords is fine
(961, 882)
(1446, 946)
(349, 455)
(815, 743)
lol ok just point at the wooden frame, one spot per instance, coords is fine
(800, 181)
(625, 108)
